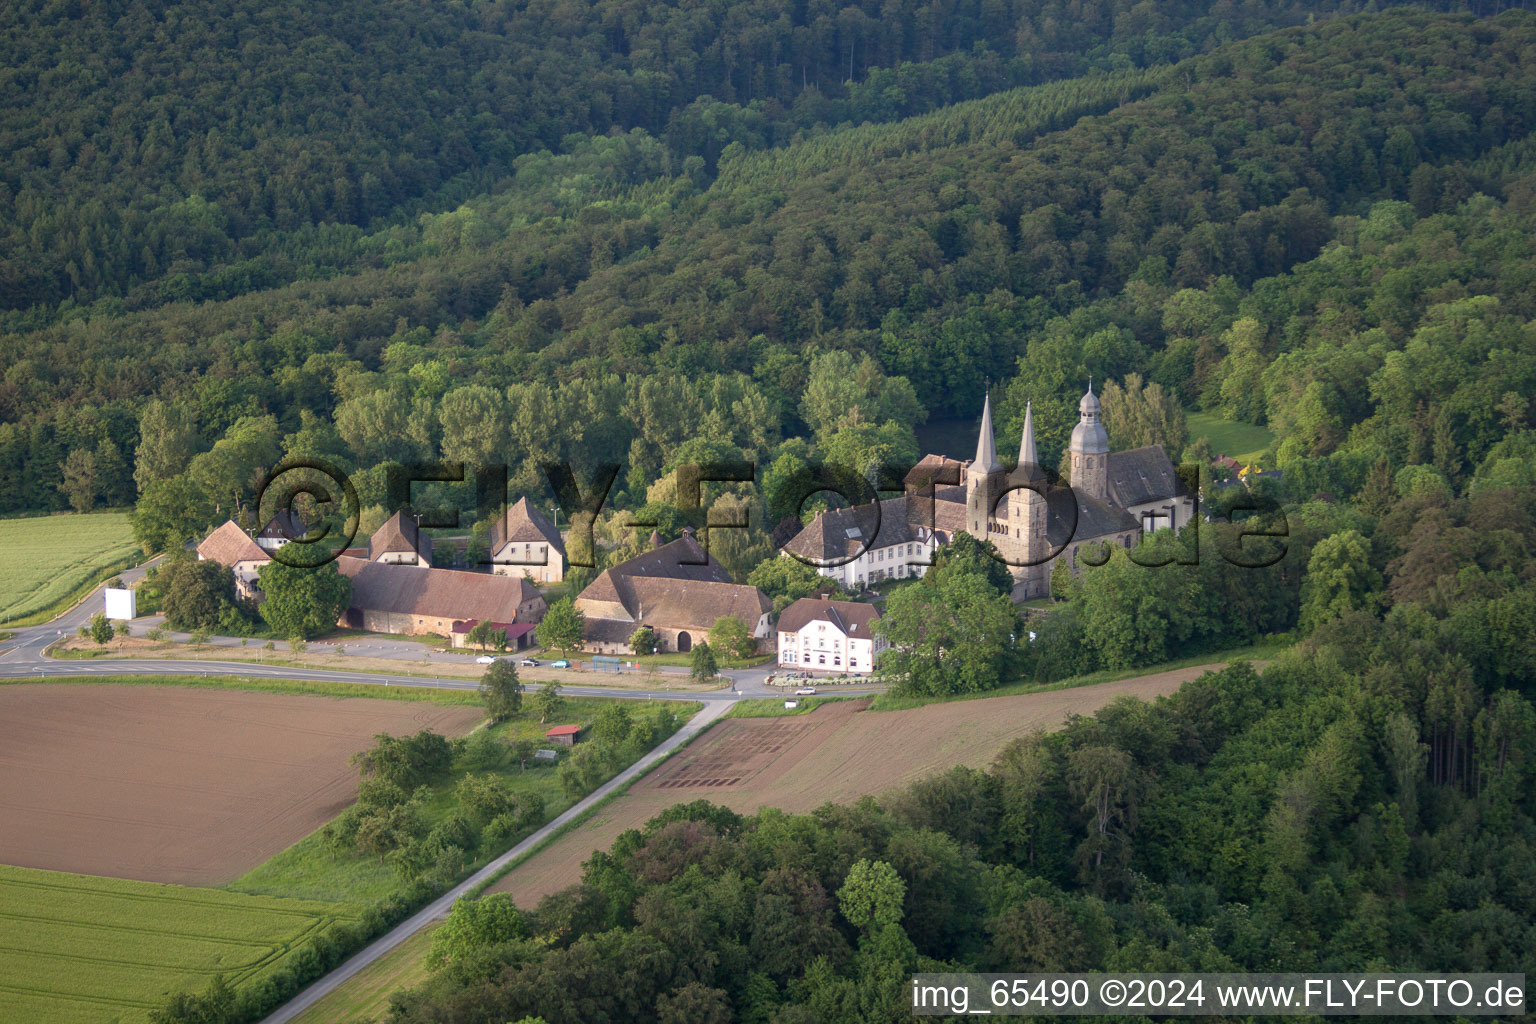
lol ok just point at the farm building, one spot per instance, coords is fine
(565, 735)
(393, 598)
(676, 589)
(233, 547)
(525, 542)
(283, 528)
(820, 635)
(519, 634)
(401, 542)
(874, 542)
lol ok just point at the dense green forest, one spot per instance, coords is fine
(1367, 803)
(148, 145)
(648, 234)
(1279, 229)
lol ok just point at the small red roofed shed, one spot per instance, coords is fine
(565, 735)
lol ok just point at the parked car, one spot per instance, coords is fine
(805, 691)
(562, 663)
(484, 659)
(529, 663)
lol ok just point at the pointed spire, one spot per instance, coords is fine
(986, 443)
(1028, 456)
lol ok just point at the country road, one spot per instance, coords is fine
(440, 906)
(23, 656)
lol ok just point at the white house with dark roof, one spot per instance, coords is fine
(400, 542)
(231, 546)
(817, 634)
(1113, 498)
(281, 529)
(525, 543)
(868, 543)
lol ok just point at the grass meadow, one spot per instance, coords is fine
(773, 707)
(49, 562)
(1242, 441)
(82, 950)
(309, 869)
(365, 995)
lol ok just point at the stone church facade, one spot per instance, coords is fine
(1113, 497)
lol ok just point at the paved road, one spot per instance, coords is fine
(22, 656)
(440, 907)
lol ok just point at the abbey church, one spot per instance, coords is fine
(1113, 497)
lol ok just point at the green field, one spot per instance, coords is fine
(1242, 441)
(78, 950)
(309, 869)
(49, 562)
(365, 995)
(773, 707)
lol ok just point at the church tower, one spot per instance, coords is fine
(982, 479)
(1027, 507)
(1028, 495)
(1088, 454)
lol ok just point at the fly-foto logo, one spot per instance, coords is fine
(335, 510)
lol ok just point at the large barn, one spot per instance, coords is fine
(392, 598)
(676, 589)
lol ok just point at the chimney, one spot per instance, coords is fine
(655, 540)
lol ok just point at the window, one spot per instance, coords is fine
(837, 661)
(853, 662)
(822, 659)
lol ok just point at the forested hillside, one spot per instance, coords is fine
(1272, 230)
(143, 146)
(1364, 805)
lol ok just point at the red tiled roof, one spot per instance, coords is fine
(564, 730)
(230, 544)
(442, 593)
(398, 535)
(850, 617)
(524, 523)
(677, 586)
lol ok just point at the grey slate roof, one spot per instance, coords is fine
(399, 534)
(851, 617)
(1141, 475)
(284, 525)
(844, 532)
(1095, 519)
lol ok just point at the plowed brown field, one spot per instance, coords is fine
(837, 753)
(174, 784)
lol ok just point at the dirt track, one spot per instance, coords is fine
(175, 784)
(837, 753)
